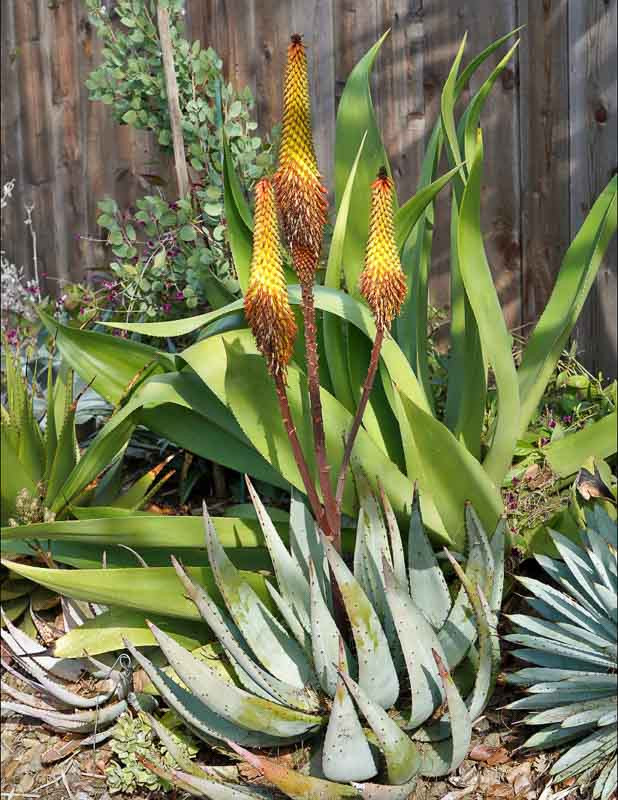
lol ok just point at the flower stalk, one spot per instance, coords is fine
(383, 285)
(301, 198)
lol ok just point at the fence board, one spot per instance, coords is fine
(550, 124)
(594, 153)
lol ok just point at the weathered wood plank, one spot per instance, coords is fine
(401, 102)
(594, 154)
(14, 239)
(313, 19)
(228, 26)
(544, 136)
(273, 25)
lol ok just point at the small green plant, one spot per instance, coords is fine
(172, 257)
(132, 740)
(571, 645)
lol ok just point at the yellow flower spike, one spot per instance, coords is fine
(267, 307)
(301, 197)
(382, 282)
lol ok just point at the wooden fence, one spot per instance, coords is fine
(550, 123)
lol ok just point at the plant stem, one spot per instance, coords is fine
(358, 417)
(167, 49)
(290, 428)
(313, 376)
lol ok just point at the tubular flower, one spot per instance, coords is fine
(301, 197)
(267, 308)
(382, 282)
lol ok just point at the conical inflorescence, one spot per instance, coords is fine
(301, 197)
(382, 281)
(267, 307)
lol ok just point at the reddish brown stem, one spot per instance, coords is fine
(288, 422)
(358, 417)
(313, 378)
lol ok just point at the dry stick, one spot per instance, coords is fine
(180, 160)
(313, 376)
(288, 422)
(358, 417)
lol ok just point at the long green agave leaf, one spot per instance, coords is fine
(154, 589)
(496, 341)
(356, 119)
(575, 279)
(238, 219)
(450, 474)
(112, 365)
(597, 440)
(334, 340)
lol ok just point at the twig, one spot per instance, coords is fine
(180, 159)
(358, 417)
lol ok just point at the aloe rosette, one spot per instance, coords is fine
(368, 702)
(571, 644)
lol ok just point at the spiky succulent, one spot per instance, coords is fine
(571, 643)
(62, 708)
(370, 703)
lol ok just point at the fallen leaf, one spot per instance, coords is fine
(499, 790)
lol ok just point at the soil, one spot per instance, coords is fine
(32, 768)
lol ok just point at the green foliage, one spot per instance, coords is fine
(132, 738)
(302, 679)
(571, 644)
(409, 432)
(172, 257)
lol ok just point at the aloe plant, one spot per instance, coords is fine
(212, 385)
(44, 474)
(299, 677)
(51, 677)
(571, 644)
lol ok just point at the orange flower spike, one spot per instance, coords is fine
(382, 282)
(301, 197)
(267, 307)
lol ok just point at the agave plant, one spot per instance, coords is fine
(381, 701)
(571, 643)
(93, 716)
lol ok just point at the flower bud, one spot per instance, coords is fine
(382, 282)
(267, 307)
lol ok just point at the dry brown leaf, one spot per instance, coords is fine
(501, 756)
(499, 790)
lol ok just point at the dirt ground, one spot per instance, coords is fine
(495, 769)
